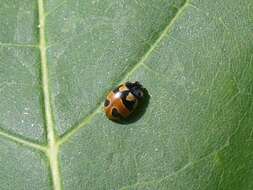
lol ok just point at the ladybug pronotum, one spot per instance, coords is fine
(122, 101)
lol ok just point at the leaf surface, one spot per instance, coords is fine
(59, 59)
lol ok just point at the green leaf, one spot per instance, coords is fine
(59, 59)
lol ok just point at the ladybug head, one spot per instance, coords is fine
(136, 89)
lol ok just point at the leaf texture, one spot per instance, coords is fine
(59, 59)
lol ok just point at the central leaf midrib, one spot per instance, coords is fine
(52, 147)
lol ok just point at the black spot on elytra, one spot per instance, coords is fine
(115, 113)
(129, 104)
(107, 102)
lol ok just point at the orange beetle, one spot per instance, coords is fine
(123, 100)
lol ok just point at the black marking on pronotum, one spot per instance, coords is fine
(135, 88)
(128, 104)
(137, 93)
(129, 85)
(115, 113)
(107, 102)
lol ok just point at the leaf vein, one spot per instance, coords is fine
(52, 151)
(22, 141)
(18, 45)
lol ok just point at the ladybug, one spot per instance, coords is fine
(123, 100)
